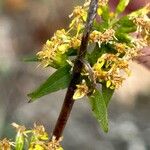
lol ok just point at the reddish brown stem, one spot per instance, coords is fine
(68, 101)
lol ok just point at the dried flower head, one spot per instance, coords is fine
(5, 144)
(100, 38)
(39, 132)
(54, 144)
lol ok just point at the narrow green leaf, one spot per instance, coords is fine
(107, 94)
(126, 25)
(127, 29)
(123, 37)
(57, 81)
(105, 13)
(125, 21)
(122, 5)
(99, 109)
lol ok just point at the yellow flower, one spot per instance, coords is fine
(102, 2)
(143, 24)
(75, 42)
(54, 144)
(36, 147)
(5, 144)
(53, 52)
(100, 37)
(78, 11)
(79, 18)
(111, 69)
(39, 132)
(120, 48)
(81, 91)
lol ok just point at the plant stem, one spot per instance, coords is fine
(78, 65)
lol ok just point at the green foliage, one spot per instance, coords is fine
(99, 109)
(57, 81)
(107, 94)
(112, 46)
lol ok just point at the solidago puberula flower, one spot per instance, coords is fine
(33, 139)
(116, 49)
(110, 68)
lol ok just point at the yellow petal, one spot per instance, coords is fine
(99, 11)
(108, 83)
(78, 94)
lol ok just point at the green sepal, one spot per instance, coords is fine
(57, 81)
(99, 109)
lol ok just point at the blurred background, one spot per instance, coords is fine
(25, 25)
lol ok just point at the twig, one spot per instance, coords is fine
(68, 101)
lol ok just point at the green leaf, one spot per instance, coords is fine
(126, 29)
(107, 94)
(31, 59)
(125, 25)
(123, 37)
(57, 81)
(125, 22)
(99, 109)
(105, 13)
(122, 5)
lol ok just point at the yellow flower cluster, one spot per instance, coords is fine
(42, 145)
(39, 132)
(143, 27)
(55, 144)
(5, 144)
(99, 37)
(54, 48)
(80, 15)
(129, 53)
(38, 139)
(111, 69)
(54, 51)
(102, 2)
(142, 21)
